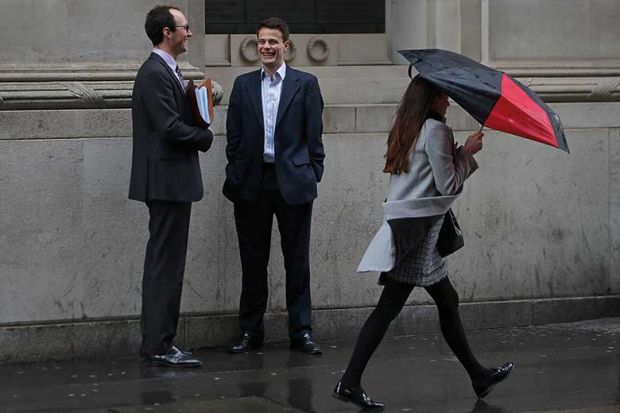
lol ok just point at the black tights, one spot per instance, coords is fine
(390, 304)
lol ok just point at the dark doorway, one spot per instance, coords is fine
(303, 16)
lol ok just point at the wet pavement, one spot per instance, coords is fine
(572, 367)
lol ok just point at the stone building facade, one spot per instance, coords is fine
(542, 227)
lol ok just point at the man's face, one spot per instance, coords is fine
(179, 37)
(271, 48)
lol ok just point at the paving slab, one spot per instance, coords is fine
(570, 367)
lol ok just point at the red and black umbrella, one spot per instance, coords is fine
(492, 97)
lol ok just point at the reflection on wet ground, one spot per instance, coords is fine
(571, 367)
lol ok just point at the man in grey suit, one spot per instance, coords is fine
(165, 174)
(275, 159)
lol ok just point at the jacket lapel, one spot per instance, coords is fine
(175, 79)
(290, 86)
(254, 90)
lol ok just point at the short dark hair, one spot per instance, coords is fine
(157, 19)
(274, 23)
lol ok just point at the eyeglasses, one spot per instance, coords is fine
(186, 27)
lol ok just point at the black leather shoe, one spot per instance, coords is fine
(306, 345)
(357, 396)
(499, 373)
(244, 345)
(175, 358)
(175, 348)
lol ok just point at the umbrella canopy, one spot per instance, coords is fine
(492, 97)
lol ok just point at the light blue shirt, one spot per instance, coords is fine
(271, 89)
(170, 61)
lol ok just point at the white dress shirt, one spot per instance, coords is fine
(170, 61)
(271, 89)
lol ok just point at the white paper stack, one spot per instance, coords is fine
(202, 99)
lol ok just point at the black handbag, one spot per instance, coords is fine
(450, 236)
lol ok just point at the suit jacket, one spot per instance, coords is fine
(164, 164)
(298, 144)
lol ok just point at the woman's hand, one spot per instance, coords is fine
(473, 144)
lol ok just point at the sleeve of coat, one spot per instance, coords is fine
(450, 168)
(314, 127)
(234, 124)
(164, 114)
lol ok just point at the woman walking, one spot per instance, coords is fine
(427, 171)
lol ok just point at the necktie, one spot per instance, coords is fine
(179, 73)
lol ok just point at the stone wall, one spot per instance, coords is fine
(542, 227)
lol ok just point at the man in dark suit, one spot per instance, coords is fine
(165, 174)
(275, 159)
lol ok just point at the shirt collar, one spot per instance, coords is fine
(281, 72)
(168, 58)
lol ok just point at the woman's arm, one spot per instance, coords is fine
(450, 167)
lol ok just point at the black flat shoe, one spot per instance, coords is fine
(357, 396)
(306, 345)
(499, 374)
(175, 358)
(244, 345)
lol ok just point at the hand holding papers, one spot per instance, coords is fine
(200, 99)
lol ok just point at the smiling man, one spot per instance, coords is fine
(165, 174)
(275, 159)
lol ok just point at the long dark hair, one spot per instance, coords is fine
(412, 111)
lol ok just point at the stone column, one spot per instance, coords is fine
(566, 50)
(406, 23)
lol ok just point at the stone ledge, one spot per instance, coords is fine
(337, 119)
(87, 86)
(114, 338)
(72, 86)
(86, 71)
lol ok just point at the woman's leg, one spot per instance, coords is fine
(447, 300)
(391, 302)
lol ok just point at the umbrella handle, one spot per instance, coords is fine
(481, 126)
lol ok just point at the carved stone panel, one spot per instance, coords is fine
(549, 32)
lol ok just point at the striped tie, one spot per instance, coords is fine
(180, 76)
(179, 73)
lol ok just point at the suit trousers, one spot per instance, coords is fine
(254, 223)
(164, 266)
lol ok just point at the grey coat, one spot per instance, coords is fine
(436, 177)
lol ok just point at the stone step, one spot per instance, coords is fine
(337, 119)
(319, 71)
(339, 84)
(386, 84)
(377, 118)
(361, 118)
